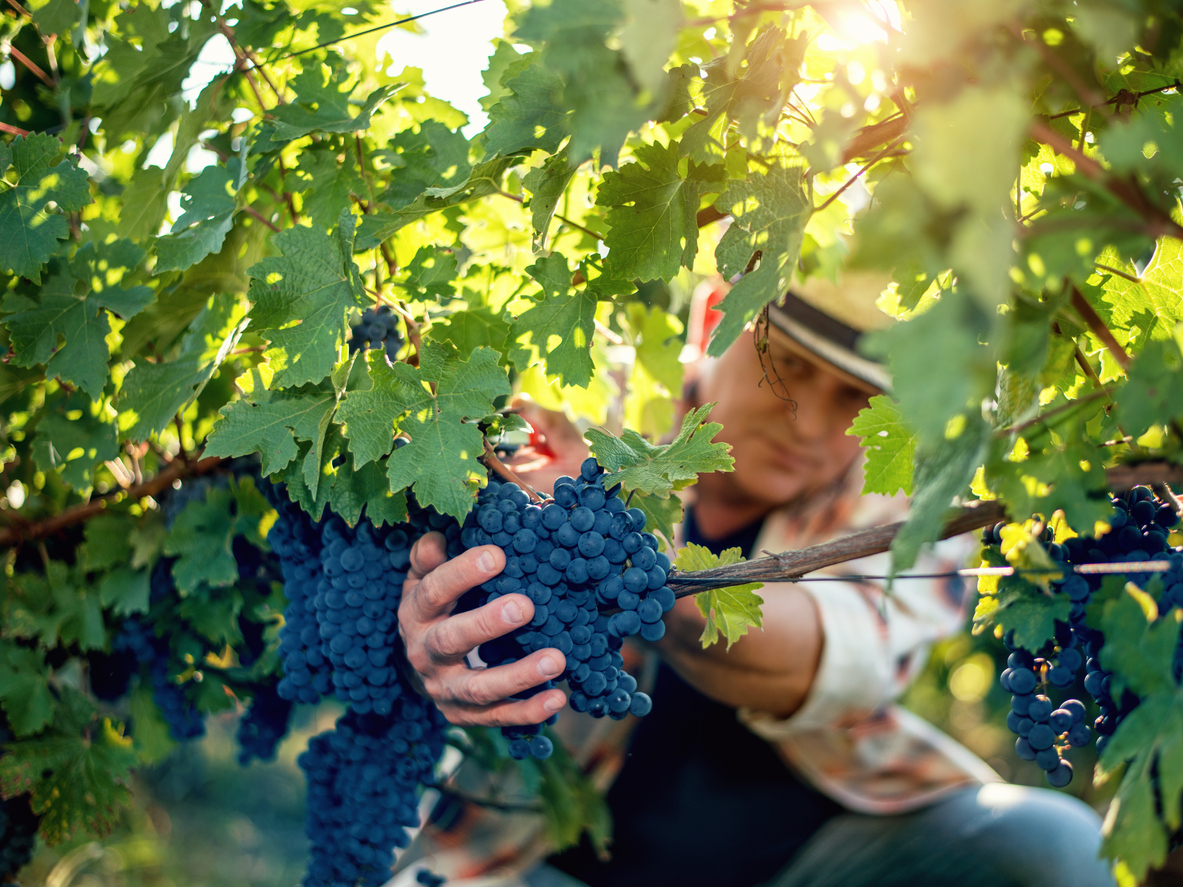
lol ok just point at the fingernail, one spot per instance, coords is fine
(512, 613)
(553, 703)
(485, 562)
(547, 667)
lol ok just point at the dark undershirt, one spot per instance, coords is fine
(700, 801)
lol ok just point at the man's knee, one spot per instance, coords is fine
(1036, 831)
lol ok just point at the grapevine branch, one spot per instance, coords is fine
(178, 470)
(506, 473)
(1125, 190)
(788, 565)
(1097, 325)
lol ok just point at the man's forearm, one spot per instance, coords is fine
(770, 669)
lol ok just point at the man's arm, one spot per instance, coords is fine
(769, 670)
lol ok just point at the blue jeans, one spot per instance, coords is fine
(988, 836)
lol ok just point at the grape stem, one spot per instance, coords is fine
(788, 565)
(506, 473)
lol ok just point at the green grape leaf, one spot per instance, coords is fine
(652, 213)
(366, 487)
(70, 306)
(946, 336)
(301, 298)
(273, 422)
(561, 325)
(430, 404)
(572, 805)
(108, 540)
(1057, 473)
(547, 183)
(572, 39)
(485, 179)
(890, 446)
(636, 464)
(752, 95)
(209, 202)
(431, 273)
(1139, 650)
(73, 435)
(770, 212)
(1020, 606)
(202, 536)
(144, 68)
(214, 616)
(472, 329)
(662, 514)
(78, 773)
(24, 688)
(432, 156)
(54, 16)
(1154, 393)
(942, 472)
(530, 116)
(56, 608)
(151, 738)
(125, 591)
(29, 228)
(333, 179)
(322, 106)
(1155, 291)
(648, 37)
(155, 392)
(728, 611)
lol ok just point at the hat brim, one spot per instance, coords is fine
(836, 348)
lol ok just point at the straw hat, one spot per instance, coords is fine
(829, 320)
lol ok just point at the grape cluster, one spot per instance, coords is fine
(356, 604)
(579, 554)
(378, 328)
(184, 719)
(1139, 529)
(18, 834)
(295, 539)
(343, 586)
(595, 578)
(18, 826)
(264, 725)
(363, 789)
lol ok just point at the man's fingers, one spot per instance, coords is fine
(436, 593)
(512, 713)
(490, 686)
(428, 552)
(454, 637)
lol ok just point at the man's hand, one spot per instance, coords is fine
(438, 643)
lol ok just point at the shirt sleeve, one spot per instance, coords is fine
(875, 641)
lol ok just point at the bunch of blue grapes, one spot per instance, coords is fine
(264, 725)
(295, 539)
(184, 719)
(356, 605)
(378, 328)
(18, 826)
(1139, 528)
(576, 556)
(340, 633)
(364, 778)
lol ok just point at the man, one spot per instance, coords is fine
(783, 760)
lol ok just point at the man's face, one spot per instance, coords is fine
(781, 455)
